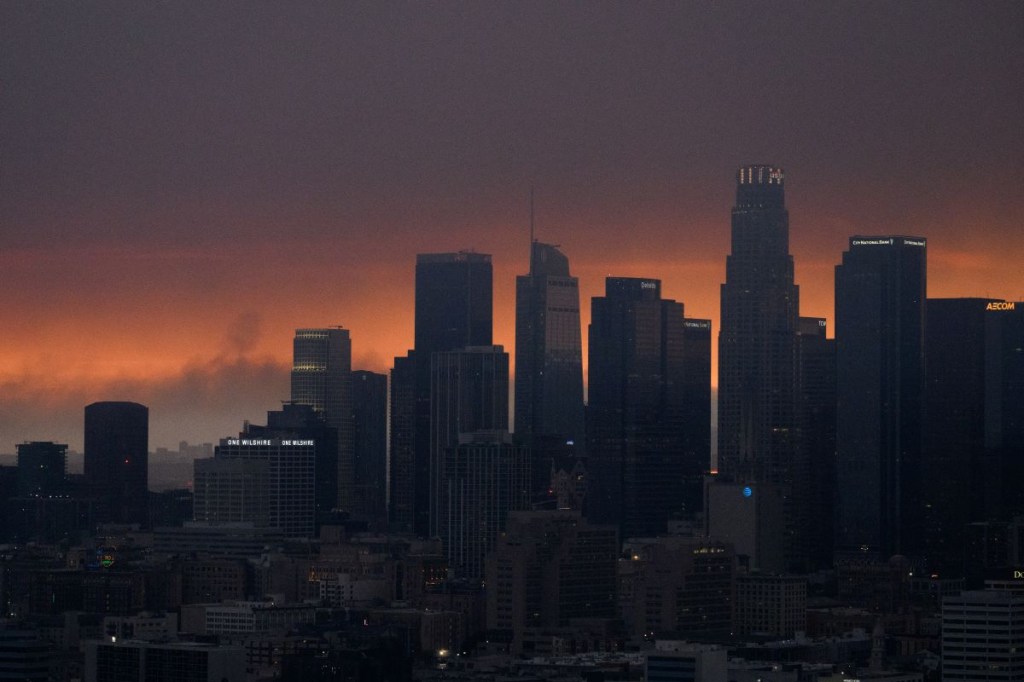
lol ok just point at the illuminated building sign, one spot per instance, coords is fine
(1001, 305)
(693, 324)
(886, 241)
(747, 491)
(648, 285)
(267, 442)
(1018, 575)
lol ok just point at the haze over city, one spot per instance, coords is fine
(183, 187)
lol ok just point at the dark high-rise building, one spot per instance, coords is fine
(814, 478)
(370, 445)
(322, 379)
(956, 481)
(1004, 409)
(405, 468)
(454, 310)
(880, 321)
(697, 408)
(636, 423)
(468, 392)
(117, 460)
(454, 302)
(549, 358)
(756, 344)
(42, 469)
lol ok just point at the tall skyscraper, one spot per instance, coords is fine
(697, 408)
(880, 318)
(468, 393)
(405, 469)
(816, 442)
(974, 428)
(1004, 409)
(454, 301)
(322, 379)
(117, 460)
(454, 310)
(756, 344)
(636, 423)
(549, 358)
(370, 445)
(957, 482)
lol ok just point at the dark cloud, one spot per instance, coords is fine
(156, 122)
(244, 332)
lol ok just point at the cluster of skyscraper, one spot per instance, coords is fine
(888, 440)
(859, 446)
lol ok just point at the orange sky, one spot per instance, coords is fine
(205, 335)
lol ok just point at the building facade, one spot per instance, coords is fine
(773, 605)
(42, 469)
(370, 446)
(289, 491)
(548, 568)
(636, 422)
(487, 477)
(677, 586)
(880, 322)
(322, 378)
(983, 636)
(117, 461)
(468, 393)
(760, 306)
(453, 310)
(549, 358)
(814, 497)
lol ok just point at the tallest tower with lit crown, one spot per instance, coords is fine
(756, 345)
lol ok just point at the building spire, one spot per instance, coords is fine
(533, 239)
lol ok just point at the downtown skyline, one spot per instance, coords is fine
(181, 195)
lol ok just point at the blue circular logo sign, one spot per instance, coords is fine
(747, 491)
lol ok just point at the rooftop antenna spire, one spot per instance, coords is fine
(532, 239)
(531, 217)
